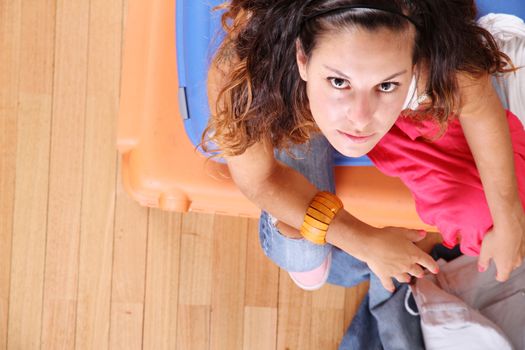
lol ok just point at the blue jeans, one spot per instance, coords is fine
(381, 321)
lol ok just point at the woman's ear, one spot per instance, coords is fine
(302, 60)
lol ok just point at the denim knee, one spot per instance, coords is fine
(291, 254)
(315, 160)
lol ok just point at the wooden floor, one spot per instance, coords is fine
(84, 267)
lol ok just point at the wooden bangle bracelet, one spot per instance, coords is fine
(320, 213)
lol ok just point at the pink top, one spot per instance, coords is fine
(443, 177)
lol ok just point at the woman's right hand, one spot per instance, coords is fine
(389, 252)
(392, 253)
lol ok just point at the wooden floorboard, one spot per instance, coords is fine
(228, 282)
(65, 175)
(129, 272)
(10, 41)
(98, 188)
(195, 282)
(83, 266)
(162, 279)
(35, 104)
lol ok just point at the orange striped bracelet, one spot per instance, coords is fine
(321, 211)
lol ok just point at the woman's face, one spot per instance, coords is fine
(357, 82)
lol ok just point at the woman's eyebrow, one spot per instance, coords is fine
(395, 75)
(347, 77)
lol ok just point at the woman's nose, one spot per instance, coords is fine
(360, 112)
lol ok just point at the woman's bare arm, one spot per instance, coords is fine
(486, 130)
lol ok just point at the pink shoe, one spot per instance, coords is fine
(314, 279)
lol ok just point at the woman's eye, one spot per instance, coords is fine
(339, 83)
(388, 87)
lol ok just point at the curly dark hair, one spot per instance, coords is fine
(263, 95)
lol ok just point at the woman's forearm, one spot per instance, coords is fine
(286, 195)
(487, 133)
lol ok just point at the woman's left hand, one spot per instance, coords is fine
(505, 245)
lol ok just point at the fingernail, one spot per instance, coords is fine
(422, 233)
(481, 268)
(436, 270)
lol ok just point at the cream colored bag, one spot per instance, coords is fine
(461, 308)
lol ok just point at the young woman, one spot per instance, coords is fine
(406, 82)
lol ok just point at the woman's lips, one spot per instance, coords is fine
(355, 138)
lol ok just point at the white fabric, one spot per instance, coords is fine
(509, 33)
(461, 305)
(503, 303)
(447, 322)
